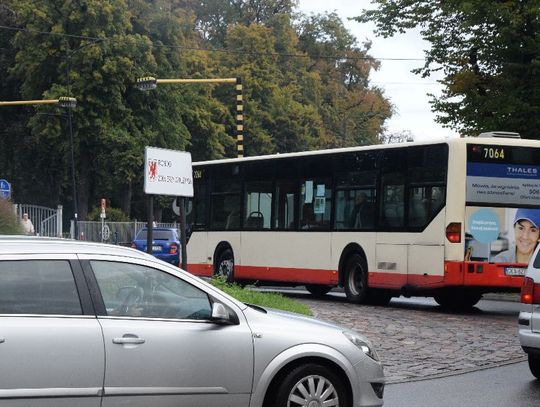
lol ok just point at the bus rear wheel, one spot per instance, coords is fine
(458, 299)
(318, 290)
(225, 266)
(355, 281)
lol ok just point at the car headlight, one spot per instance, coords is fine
(362, 344)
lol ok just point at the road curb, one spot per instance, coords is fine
(457, 372)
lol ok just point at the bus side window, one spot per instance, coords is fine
(225, 208)
(316, 200)
(286, 192)
(258, 205)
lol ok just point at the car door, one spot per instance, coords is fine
(51, 345)
(161, 348)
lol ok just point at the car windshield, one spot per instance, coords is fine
(157, 235)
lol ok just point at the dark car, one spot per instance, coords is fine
(165, 244)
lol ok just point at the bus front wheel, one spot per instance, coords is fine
(355, 281)
(225, 266)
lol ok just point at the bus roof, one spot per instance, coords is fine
(465, 140)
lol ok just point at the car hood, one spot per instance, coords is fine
(277, 331)
(300, 318)
(298, 325)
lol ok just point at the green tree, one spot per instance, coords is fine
(353, 111)
(214, 17)
(9, 225)
(489, 52)
(109, 44)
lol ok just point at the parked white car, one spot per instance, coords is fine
(529, 317)
(85, 324)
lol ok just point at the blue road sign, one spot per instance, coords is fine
(5, 189)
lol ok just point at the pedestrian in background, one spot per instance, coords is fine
(27, 225)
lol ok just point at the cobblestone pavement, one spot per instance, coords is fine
(420, 342)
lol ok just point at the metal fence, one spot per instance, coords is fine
(121, 233)
(46, 221)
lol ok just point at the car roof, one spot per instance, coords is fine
(47, 245)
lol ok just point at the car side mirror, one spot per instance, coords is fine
(220, 315)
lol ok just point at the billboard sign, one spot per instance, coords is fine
(167, 172)
(503, 175)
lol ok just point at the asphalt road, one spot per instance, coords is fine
(505, 386)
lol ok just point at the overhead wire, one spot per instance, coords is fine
(225, 51)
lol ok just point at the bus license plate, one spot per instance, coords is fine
(514, 271)
(156, 248)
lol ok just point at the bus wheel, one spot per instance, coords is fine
(458, 300)
(225, 266)
(355, 282)
(379, 297)
(318, 290)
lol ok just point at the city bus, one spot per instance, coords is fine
(435, 218)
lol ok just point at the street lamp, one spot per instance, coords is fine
(69, 104)
(151, 83)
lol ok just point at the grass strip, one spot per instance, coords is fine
(263, 299)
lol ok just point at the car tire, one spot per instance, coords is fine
(318, 290)
(534, 366)
(225, 266)
(322, 384)
(355, 282)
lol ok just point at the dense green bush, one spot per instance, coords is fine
(9, 225)
(113, 215)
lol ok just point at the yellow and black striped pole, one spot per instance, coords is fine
(239, 118)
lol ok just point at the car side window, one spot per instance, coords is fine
(133, 290)
(44, 287)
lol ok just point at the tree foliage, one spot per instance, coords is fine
(306, 86)
(489, 52)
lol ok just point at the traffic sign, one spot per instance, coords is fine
(5, 189)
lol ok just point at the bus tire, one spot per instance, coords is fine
(379, 297)
(225, 266)
(355, 282)
(458, 299)
(318, 290)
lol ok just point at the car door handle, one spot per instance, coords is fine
(128, 340)
(2, 340)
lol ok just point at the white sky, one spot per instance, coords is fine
(407, 92)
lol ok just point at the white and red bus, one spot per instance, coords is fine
(431, 219)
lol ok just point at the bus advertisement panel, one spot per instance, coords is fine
(503, 194)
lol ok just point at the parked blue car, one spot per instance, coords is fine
(165, 244)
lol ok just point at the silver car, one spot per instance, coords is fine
(529, 317)
(85, 324)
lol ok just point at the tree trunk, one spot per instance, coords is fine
(125, 198)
